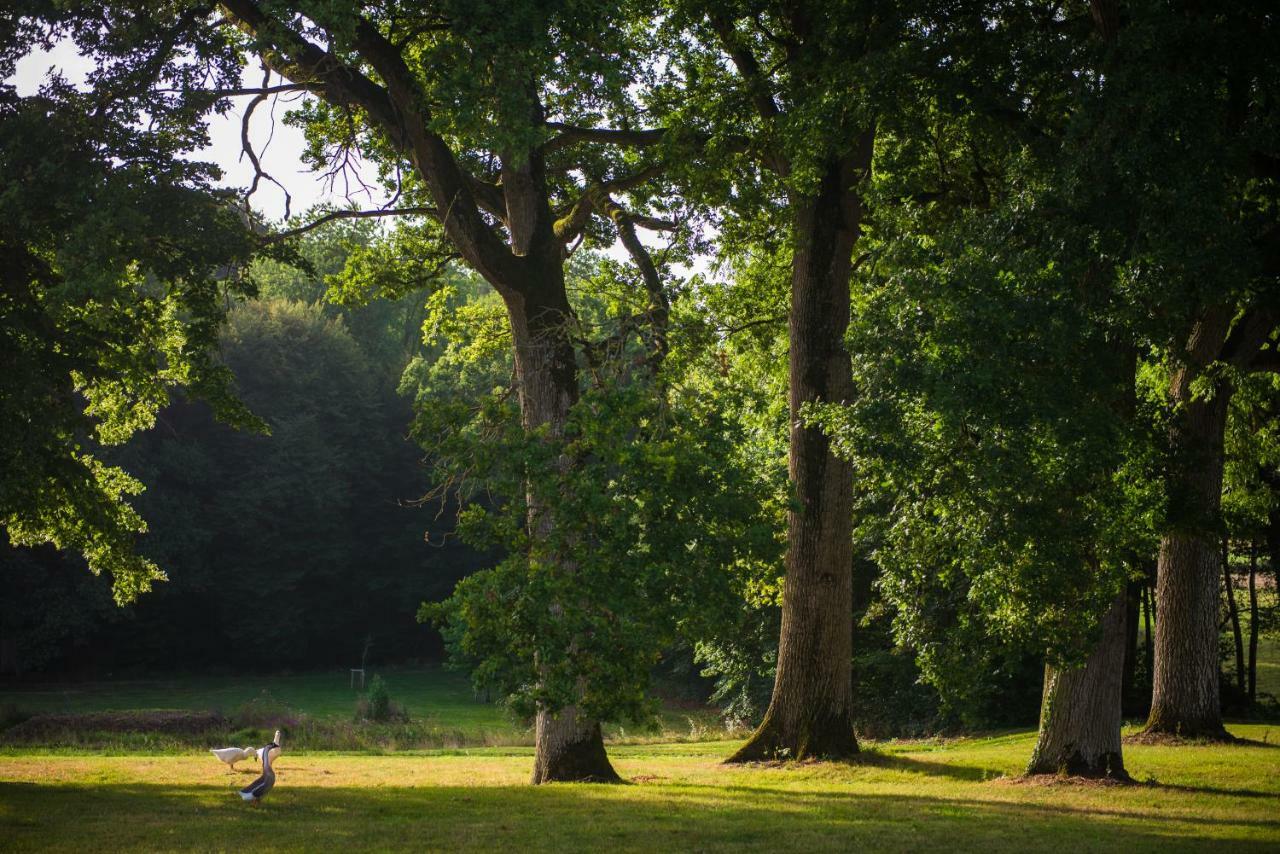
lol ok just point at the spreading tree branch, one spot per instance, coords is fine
(571, 223)
(336, 215)
(570, 134)
(396, 109)
(658, 311)
(747, 64)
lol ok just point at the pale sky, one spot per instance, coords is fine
(280, 157)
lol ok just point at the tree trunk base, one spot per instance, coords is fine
(1080, 717)
(831, 739)
(570, 751)
(1107, 766)
(1190, 730)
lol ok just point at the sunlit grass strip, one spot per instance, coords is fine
(953, 795)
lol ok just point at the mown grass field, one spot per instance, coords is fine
(135, 793)
(916, 796)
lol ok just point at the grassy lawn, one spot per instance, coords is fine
(425, 693)
(441, 705)
(906, 796)
(1269, 666)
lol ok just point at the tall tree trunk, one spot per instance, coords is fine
(1132, 605)
(568, 746)
(1149, 605)
(1253, 622)
(1080, 711)
(1233, 612)
(1185, 697)
(811, 712)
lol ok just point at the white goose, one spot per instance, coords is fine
(275, 748)
(232, 755)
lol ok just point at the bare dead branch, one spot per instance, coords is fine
(246, 147)
(335, 215)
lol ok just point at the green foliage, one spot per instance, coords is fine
(314, 519)
(118, 264)
(330, 271)
(1053, 210)
(50, 605)
(649, 519)
(1252, 446)
(376, 704)
(1009, 479)
(317, 509)
(646, 498)
(379, 700)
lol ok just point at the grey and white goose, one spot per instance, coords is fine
(257, 790)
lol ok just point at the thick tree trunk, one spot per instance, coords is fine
(810, 714)
(1185, 697)
(569, 747)
(1080, 711)
(1233, 612)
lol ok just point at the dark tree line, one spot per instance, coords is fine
(319, 514)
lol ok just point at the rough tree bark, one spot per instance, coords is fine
(810, 714)
(1185, 697)
(1080, 714)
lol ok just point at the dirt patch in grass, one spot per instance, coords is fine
(1063, 780)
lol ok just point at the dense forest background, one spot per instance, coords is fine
(320, 540)
(309, 542)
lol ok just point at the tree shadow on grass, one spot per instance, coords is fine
(560, 817)
(1210, 790)
(954, 771)
(1253, 742)
(896, 762)
(1027, 808)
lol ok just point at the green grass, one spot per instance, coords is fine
(953, 796)
(441, 704)
(425, 693)
(1268, 641)
(1269, 666)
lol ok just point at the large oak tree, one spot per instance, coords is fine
(486, 118)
